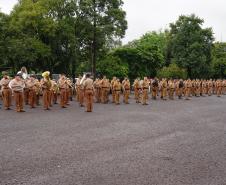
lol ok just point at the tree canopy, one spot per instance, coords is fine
(75, 36)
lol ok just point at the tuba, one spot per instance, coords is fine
(47, 81)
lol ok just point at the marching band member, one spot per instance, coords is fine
(63, 86)
(89, 89)
(46, 86)
(6, 92)
(17, 85)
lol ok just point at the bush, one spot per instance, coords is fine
(173, 71)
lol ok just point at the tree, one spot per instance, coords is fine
(219, 60)
(106, 22)
(112, 66)
(3, 38)
(144, 56)
(70, 32)
(191, 46)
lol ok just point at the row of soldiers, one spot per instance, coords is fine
(163, 88)
(28, 90)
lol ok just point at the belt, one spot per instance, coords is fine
(104, 87)
(145, 88)
(17, 91)
(117, 90)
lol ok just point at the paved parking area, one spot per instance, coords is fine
(164, 143)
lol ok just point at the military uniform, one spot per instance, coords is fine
(154, 89)
(97, 91)
(180, 86)
(88, 87)
(219, 87)
(30, 83)
(164, 89)
(112, 89)
(187, 85)
(55, 90)
(210, 87)
(104, 90)
(6, 92)
(171, 89)
(46, 89)
(126, 91)
(77, 88)
(198, 88)
(137, 88)
(63, 86)
(17, 85)
(117, 87)
(145, 88)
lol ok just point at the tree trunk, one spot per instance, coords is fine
(94, 44)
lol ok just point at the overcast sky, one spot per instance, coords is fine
(150, 15)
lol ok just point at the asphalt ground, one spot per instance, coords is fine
(165, 143)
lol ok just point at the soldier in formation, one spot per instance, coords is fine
(26, 89)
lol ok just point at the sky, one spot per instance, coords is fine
(154, 15)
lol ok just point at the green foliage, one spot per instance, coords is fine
(112, 66)
(191, 46)
(144, 56)
(60, 35)
(219, 60)
(173, 71)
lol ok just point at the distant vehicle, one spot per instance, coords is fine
(56, 77)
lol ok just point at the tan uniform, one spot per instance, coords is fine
(198, 88)
(219, 87)
(113, 90)
(104, 90)
(77, 88)
(63, 86)
(155, 88)
(126, 91)
(224, 87)
(69, 91)
(210, 87)
(145, 87)
(180, 87)
(17, 87)
(204, 88)
(171, 89)
(137, 89)
(37, 91)
(188, 85)
(46, 89)
(117, 87)
(164, 89)
(88, 87)
(26, 93)
(6, 92)
(193, 88)
(32, 93)
(81, 94)
(55, 90)
(97, 90)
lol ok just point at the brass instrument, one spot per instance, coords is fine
(82, 80)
